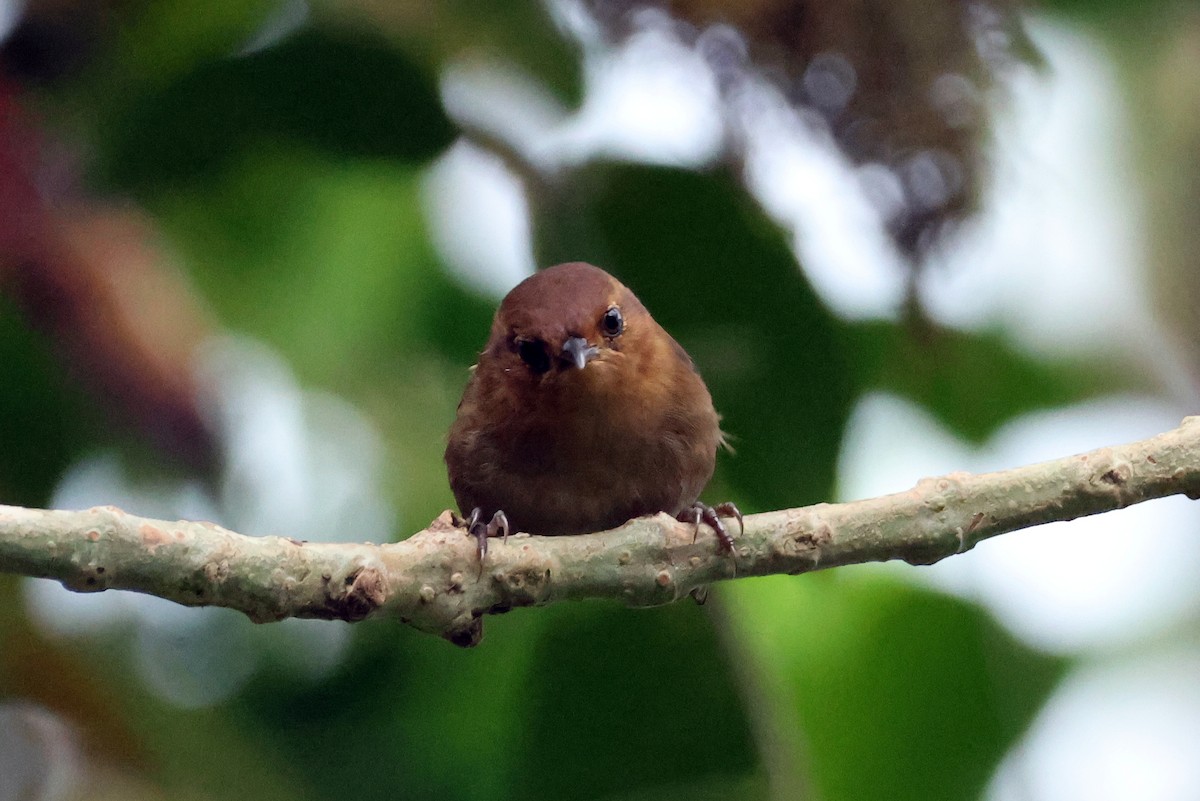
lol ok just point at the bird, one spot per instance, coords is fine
(581, 414)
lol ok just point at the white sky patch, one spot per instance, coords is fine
(797, 174)
(493, 96)
(304, 464)
(479, 219)
(1056, 255)
(1089, 583)
(296, 463)
(10, 15)
(1113, 732)
(652, 99)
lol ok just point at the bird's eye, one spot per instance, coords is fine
(612, 323)
(533, 353)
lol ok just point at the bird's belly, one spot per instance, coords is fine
(575, 481)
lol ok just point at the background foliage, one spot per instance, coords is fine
(166, 185)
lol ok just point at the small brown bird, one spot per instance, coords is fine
(581, 414)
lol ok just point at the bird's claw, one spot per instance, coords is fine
(702, 512)
(496, 527)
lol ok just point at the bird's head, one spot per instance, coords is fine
(574, 325)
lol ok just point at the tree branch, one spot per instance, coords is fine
(434, 581)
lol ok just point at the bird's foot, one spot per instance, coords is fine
(701, 512)
(496, 527)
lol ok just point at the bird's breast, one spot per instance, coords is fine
(570, 462)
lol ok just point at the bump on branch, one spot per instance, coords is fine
(435, 582)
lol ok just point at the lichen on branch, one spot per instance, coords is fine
(434, 580)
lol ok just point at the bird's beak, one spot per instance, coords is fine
(578, 352)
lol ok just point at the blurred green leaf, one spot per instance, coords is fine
(98, 56)
(156, 41)
(512, 32)
(328, 262)
(1108, 11)
(974, 382)
(349, 735)
(407, 715)
(901, 693)
(324, 89)
(48, 421)
(522, 30)
(720, 276)
(204, 755)
(593, 699)
(618, 700)
(190, 753)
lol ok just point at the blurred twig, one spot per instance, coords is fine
(435, 582)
